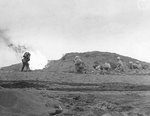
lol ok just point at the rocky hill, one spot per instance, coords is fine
(90, 59)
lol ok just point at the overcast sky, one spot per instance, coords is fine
(56, 27)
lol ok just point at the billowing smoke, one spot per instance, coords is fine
(18, 49)
(38, 61)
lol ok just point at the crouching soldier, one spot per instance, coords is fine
(120, 65)
(135, 66)
(79, 65)
(25, 60)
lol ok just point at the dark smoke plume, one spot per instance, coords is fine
(18, 49)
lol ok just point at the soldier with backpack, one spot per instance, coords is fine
(120, 65)
(79, 65)
(25, 60)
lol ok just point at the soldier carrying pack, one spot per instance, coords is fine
(25, 60)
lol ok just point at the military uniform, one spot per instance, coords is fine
(25, 60)
(79, 65)
(120, 65)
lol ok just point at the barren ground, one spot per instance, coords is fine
(40, 93)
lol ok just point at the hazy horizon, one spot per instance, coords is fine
(56, 27)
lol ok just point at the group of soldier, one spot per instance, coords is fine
(106, 67)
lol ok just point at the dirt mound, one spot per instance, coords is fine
(15, 67)
(90, 59)
(21, 103)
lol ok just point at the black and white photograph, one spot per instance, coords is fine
(74, 57)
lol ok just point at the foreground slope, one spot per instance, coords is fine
(23, 103)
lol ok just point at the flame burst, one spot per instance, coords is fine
(37, 60)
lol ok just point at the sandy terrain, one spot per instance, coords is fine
(45, 93)
(32, 102)
(74, 77)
